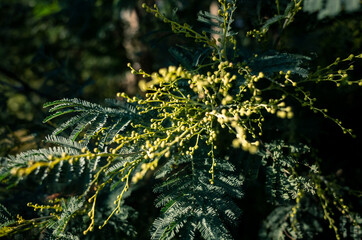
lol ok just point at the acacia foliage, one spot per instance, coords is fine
(175, 132)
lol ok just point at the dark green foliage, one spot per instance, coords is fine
(283, 165)
(271, 63)
(279, 224)
(188, 57)
(190, 204)
(286, 17)
(282, 181)
(330, 8)
(219, 128)
(63, 172)
(350, 229)
(57, 227)
(92, 117)
(276, 224)
(214, 22)
(5, 220)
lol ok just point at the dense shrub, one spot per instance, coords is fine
(229, 134)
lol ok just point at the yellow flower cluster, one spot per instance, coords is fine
(36, 206)
(181, 119)
(257, 34)
(144, 168)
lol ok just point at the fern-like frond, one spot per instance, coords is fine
(214, 24)
(65, 142)
(284, 19)
(189, 57)
(330, 8)
(69, 208)
(191, 203)
(48, 235)
(4, 214)
(6, 220)
(40, 163)
(91, 118)
(271, 63)
(300, 221)
(219, 26)
(281, 162)
(276, 224)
